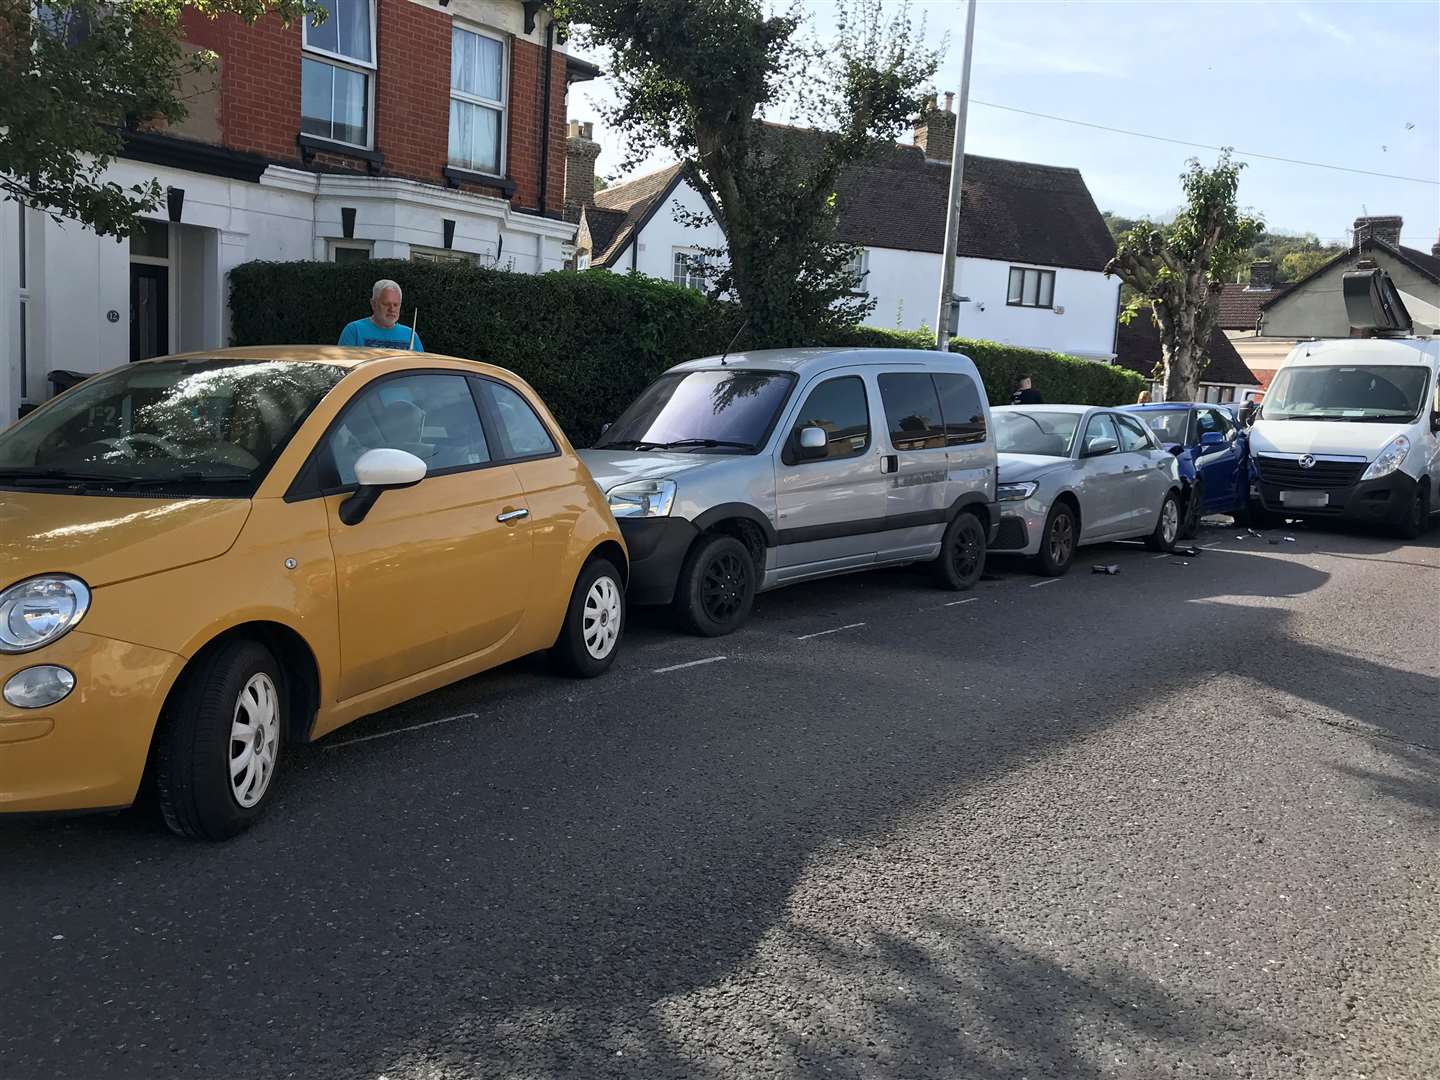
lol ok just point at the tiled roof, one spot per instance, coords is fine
(1138, 348)
(624, 208)
(1239, 306)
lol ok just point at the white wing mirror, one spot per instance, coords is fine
(375, 471)
(813, 442)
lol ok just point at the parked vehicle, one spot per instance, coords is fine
(1212, 452)
(1075, 474)
(731, 475)
(209, 556)
(1348, 431)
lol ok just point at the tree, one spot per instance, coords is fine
(698, 79)
(80, 74)
(1177, 270)
(1300, 264)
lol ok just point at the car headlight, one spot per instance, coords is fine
(1015, 492)
(642, 498)
(36, 612)
(1389, 459)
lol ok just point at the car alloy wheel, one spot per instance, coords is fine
(600, 625)
(254, 740)
(723, 586)
(1061, 540)
(1169, 521)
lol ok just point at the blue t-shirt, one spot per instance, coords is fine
(365, 334)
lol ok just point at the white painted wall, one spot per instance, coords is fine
(664, 234)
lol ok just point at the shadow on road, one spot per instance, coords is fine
(523, 895)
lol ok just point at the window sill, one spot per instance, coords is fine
(455, 176)
(311, 145)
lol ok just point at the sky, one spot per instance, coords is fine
(1347, 84)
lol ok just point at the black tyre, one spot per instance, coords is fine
(219, 743)
(594, 622)
(1057, 545)
(962, 554)
(1194, 500)
(717, 585)
(1417, 516)
(1167, 525)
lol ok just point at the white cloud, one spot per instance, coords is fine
(1329, 29)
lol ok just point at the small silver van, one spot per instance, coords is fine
(732, 475)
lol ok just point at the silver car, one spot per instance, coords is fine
(1074, 474)
(732, 475)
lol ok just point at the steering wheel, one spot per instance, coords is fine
(127, 443)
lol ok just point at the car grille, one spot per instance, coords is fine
(1287, 474)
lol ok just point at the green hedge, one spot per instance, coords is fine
(588, 342)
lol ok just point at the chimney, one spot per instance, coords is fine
(1435, 247)
(1381, 228)
(1262, 274)
(581, 150)
(935, 131)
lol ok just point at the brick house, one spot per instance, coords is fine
(416, 129)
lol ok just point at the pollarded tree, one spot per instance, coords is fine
(1177, 269)
(76, 75)
(699, 79)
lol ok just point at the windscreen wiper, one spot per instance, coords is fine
(631, 444)
(62, 478)
(678, 443)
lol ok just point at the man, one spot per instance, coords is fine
(382, 330)
(1025, 394)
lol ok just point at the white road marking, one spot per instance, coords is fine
(822, 633)
(401, 731)
(1164, 556)
(692, 663)
(1047, 581)
(967, 600)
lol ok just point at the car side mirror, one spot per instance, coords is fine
(604, 428)
(1212, 438)
(813, 443)
(1435, 421)
(376, 472)
(1101, 447)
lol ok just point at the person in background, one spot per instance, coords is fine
(383, 329)
(1144, 398)
(1025, 393)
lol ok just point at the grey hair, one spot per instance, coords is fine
(383, 284)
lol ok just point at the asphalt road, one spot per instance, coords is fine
(1180, 822)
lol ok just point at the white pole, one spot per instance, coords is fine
(943, 330)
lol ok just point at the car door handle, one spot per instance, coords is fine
(512, 515)
(889, 463)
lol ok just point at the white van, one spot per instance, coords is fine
(1348, 431)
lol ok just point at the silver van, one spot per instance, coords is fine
(732, 475)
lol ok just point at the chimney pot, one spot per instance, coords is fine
(1435, 247)
(949, 101)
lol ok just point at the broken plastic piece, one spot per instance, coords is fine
(1111, 568)
(1187, 551)
(1289, 539)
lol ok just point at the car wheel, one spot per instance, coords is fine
(1057, 545)
(1167, 526)
(219, 744)
(1417, 515)
(594, 622)
(1190, 524)
(716, 589)
(962, 554)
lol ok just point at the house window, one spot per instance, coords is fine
(349, 252)
(477, 101)
(1031, 288)
(689, 268)
(337, 73)
(582, 261)
(431, 255)
(859, 265)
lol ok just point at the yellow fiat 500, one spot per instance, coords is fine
(205, 557)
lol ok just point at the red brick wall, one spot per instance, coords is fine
(260, 87)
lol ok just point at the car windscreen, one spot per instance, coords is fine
(715, 410)
(182, 427)
(1169, 425)
(1047, 434)
(1366, 393)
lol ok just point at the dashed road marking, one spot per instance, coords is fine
(967, 600)
(692, 663)
(822, 633)
(401, 731)
(1047, 581)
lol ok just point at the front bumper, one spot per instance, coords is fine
(88, 751)
(1021, 525)
(1385, 501)
(657, 551)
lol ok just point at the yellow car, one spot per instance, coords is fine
(203, 557)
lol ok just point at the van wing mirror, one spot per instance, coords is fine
(813, 442)
(1212, 438)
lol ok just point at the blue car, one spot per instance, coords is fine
(1212, 452)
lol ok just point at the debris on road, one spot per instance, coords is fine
(1289, 539)
(1112, 568)
(1187, 551)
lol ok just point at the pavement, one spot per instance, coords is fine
(1179, 822)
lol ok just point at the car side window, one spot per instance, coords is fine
(1221, 419)
(841, 407)
(431, 416)
(1099, 427)
(1132, 435)
(519, 431)
(1208, 421)
(960, 408)
(912, 410)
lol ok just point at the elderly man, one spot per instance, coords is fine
(382, 330)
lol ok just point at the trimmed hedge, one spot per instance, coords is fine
(588, 342)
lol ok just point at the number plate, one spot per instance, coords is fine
(1305, 498)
